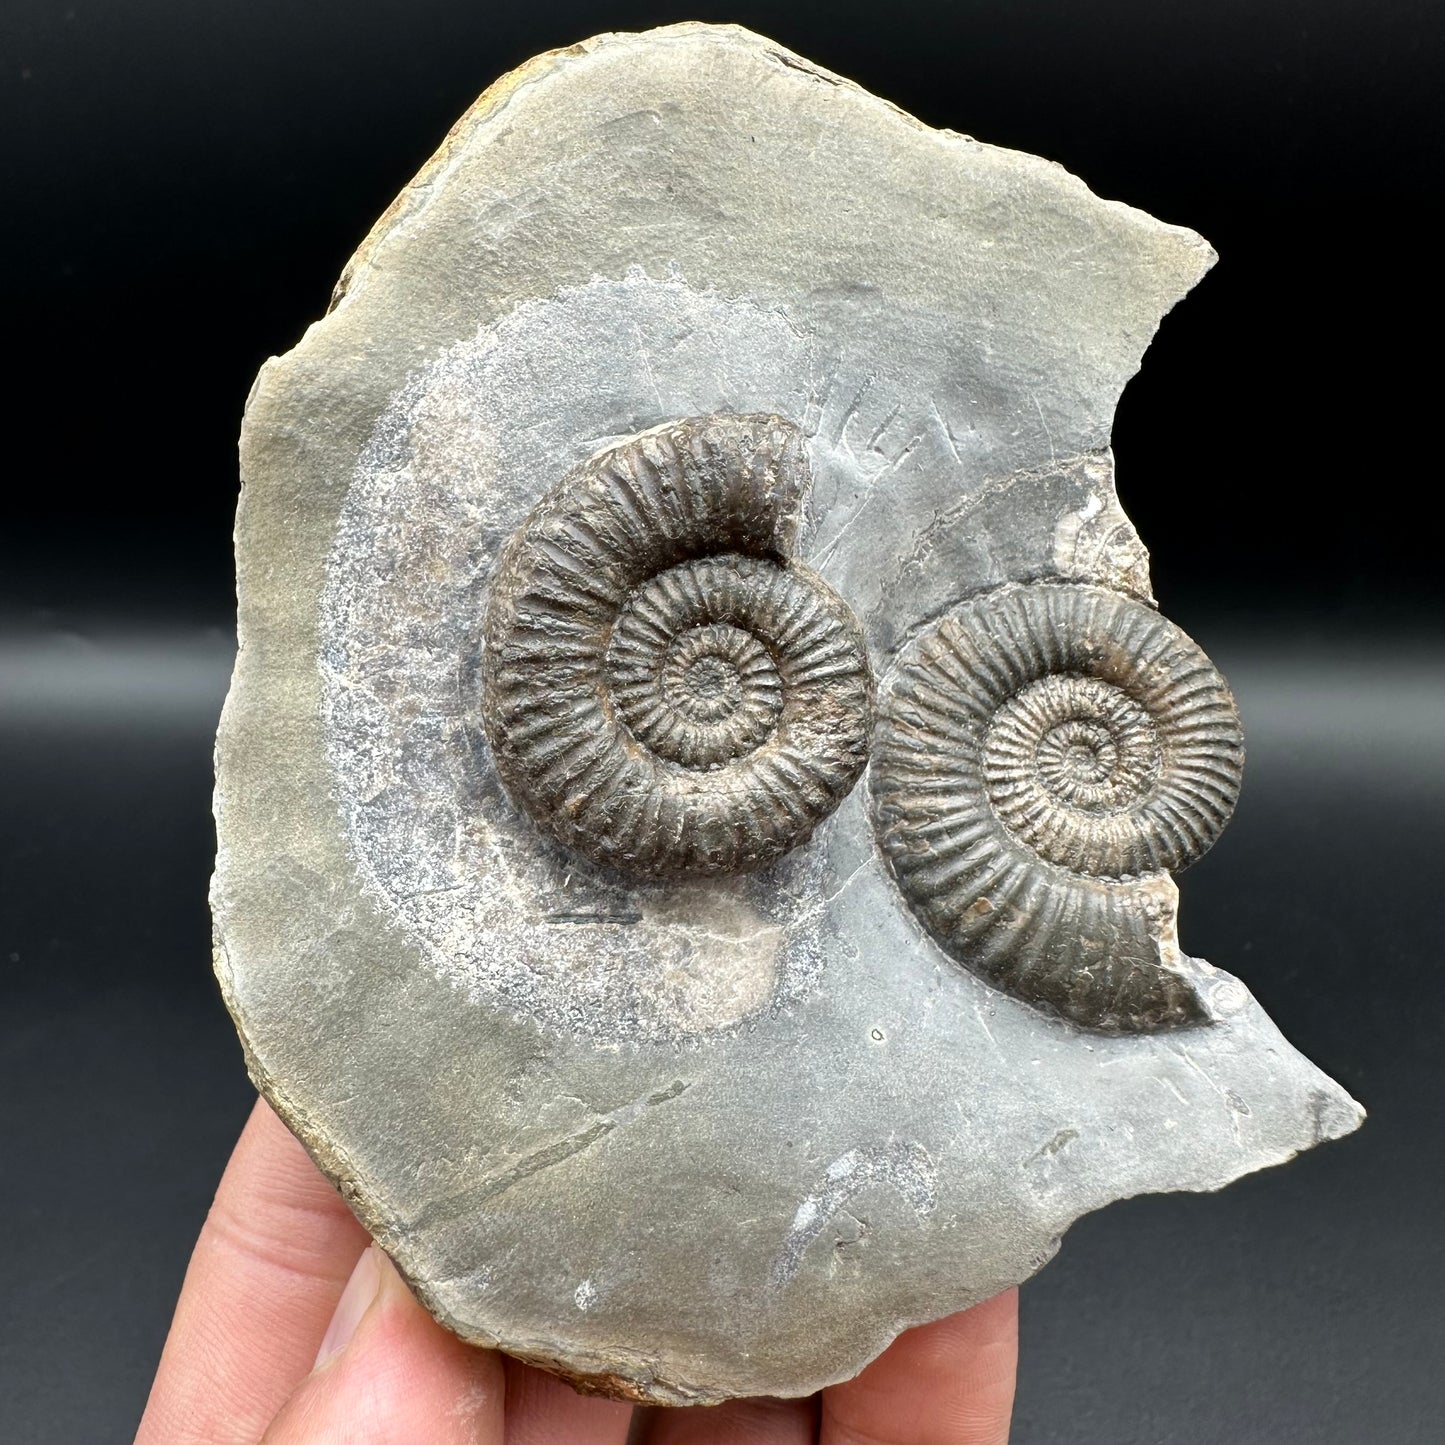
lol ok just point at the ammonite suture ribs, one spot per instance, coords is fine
(664, 689)
(1046, 754)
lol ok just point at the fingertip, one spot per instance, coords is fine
(265, 1275)
(393, 1373)
(946, 1383)
(356, 1299)
(543, 1409)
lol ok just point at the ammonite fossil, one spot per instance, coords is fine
(664, 688)
(1046, 754)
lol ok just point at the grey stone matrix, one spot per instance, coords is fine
(721, 1135)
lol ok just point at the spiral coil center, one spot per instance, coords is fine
(705, 688)
(1066, 759)
(696, 692)
(1077, 758)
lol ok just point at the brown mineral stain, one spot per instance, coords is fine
(610, 1386)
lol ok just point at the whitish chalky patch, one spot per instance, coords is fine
(455, 462)
(905, 1168)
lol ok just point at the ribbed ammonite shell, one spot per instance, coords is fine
(1046, 754)
(664, 688)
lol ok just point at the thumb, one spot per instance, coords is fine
(388, 1372)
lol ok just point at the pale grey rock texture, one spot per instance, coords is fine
(721, 1136)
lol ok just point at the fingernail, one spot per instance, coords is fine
(361, 1289)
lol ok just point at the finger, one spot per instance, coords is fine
(543, 1410)
(390, 1373)
(738, 1422)
(265, 1276)
(950, 1383)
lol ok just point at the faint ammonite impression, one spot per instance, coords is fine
(665, 689)
(1047, 753)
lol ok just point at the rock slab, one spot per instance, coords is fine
(726, 1133)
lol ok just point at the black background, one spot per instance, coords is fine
(182, 184)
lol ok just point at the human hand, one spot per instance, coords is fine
(292, 1330)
